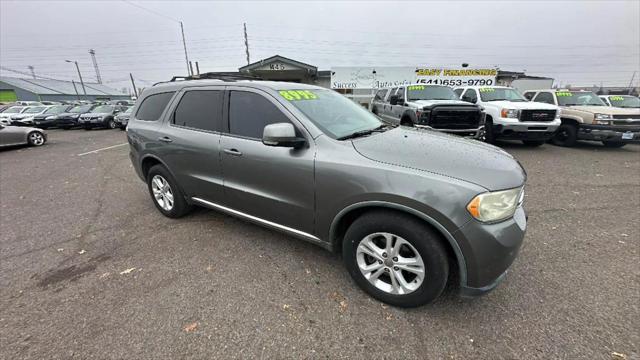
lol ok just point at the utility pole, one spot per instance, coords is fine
(246, 43)
(76, 89)
(33, 73)
(95, 65)
(135, 90)
(80, 76)
(631, 83)
(191, 67)
(197, 68)
(184, 43)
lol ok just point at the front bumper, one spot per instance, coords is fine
(620, 133)
(525, 130)
(489, 250)
(91, 122)
(469, 133)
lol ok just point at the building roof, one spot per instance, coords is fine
(59, 87)
(279, 58)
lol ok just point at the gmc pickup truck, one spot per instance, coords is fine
(434, 107)
(510, 116)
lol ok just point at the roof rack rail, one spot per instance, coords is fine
(224, 76)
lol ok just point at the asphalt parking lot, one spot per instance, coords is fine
(90, 270)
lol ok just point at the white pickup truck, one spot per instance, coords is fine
(511, 117)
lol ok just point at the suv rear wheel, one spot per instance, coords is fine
(166, 195)
(395, 258)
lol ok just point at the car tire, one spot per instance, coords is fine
(112, 124)
(424, 244)
(613, 144)
(489, 136)
(566, 135)
(123, 128)
(165, 193)
(533, 143)
(36, 138)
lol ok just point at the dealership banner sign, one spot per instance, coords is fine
(389, 76)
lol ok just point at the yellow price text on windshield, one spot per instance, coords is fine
(563, 93)
(415, 87)
(293, 95)
(616, 98)
(487, 89)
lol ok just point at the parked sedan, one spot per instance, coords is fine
(69, 119)
(49, 117)
(5, 115)
(17, 135)
(122, 119)
(100, 116)
(25, 118)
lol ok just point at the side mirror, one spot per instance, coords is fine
(393, 100)
(283, 135)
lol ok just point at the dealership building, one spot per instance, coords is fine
(359, 83)
(12, 89)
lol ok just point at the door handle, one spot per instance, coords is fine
(233, 152)
(165, 139)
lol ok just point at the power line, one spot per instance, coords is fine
(151, 11)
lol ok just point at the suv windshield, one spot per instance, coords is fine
(103, 109)
(34, 110)
(56, 109)
(81, 109)
(624, 101)
(331, 112)
(497, 94)
(423, 92)
(571, 98)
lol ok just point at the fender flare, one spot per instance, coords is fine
(462, 265)
(411, 115)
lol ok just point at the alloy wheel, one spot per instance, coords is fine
(36, 138)
(390, 263)
(162, 192)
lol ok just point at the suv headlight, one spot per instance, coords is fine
(602, 119)
(495, 206)
(510, 113)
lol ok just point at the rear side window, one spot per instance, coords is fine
(380, 95)
(544, 97)
(529, 95)
(153, 106)
(200, 109)
(458, 92)
(249, 113)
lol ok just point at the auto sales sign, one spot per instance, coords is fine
(390, 76)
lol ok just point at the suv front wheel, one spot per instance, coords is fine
(166, 195)
(396, 258)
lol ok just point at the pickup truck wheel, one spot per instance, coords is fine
(395, 258)
(566, 135)
(533, 143)
(489, 137)
(166, 194)
(613, 144)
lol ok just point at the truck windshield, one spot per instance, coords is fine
(331, 112)
(573, 98)
(500, 94)
(431, 92)
(624, 101)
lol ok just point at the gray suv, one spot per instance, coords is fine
(408, 208)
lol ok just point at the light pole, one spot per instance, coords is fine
(80, 76)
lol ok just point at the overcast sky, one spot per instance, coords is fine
(580, 43)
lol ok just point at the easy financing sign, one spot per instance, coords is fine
(382, 77)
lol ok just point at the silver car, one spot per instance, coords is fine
(19, 135)
(407, 207)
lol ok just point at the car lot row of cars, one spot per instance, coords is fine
(67, 116)
(498, 112)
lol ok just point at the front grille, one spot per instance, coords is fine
(628, 116)
(455, 118)
(537, 115)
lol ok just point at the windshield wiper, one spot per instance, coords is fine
(381, 128)
(499, 100)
